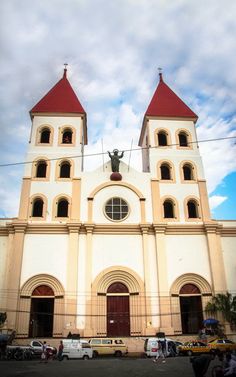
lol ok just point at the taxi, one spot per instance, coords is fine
(108, 346)
(222, 345)
(193, 347)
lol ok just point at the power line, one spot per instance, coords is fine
(125, 150)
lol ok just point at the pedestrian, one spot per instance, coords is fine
(172, 349)
(230, 369)
(201, 364)
(159, 353)
(44, 357)
(60, 351)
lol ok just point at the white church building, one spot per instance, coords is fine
(122, 253)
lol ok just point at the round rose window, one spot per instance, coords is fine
(116, 209)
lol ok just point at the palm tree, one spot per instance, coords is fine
(226, 305)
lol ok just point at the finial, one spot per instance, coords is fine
(65, 70)
(160, 73)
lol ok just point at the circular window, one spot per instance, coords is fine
(116, 209)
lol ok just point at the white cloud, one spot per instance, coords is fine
(216, 200)
(113, 50)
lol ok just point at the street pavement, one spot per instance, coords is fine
(100, 367)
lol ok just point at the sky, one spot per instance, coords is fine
(113, 50)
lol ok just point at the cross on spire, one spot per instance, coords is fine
(65, 69)
(160, 73)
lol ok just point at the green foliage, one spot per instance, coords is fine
(226, 305)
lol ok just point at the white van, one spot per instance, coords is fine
(151, 346)
(76, 349)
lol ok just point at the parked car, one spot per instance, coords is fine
(151, 346)
(194, 347)
(222, 345)
(76, 349)
(108, 346)
(37, 347)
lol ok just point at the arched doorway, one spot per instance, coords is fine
(191, 308)
(41, 312)
(118, 313)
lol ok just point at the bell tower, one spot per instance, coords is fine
(59, 132)
(170, 153)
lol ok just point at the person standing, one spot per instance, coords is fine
(160, 352)
(44, 353)
(60, 351)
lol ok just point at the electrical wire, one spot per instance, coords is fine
(125, 150)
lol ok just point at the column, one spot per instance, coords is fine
(162, 272)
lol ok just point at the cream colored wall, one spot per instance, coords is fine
(45, 254)
(117, 250)
(91, 180)
(229, 255)
(187, 254)
(3, 265)
(116, 191)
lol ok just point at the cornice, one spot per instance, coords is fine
(19, 226)
(47, 228)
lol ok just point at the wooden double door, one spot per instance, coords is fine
(118, 311)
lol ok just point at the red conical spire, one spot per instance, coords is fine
(60, 99)
(165, 103)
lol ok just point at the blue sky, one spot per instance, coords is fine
(114, 50)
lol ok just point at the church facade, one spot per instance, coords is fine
(113, 253)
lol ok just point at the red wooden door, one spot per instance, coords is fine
(118, 315)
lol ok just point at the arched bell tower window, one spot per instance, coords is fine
(165, 171)
(67, 136)
(45, 136)
(65, 169)
(168, 207)
(37, 208)
(41, 169)
(183, 139)
(162, 138)
(192, 209)
(188, 172)
(62, 208)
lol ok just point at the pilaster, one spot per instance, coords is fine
(88, 331)
(76, 197)
(156, 201)
(17, 230)
(163, 287)
(72, 276)
(24, 198)
(205, 209)
(148, 329)
(216, 260)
